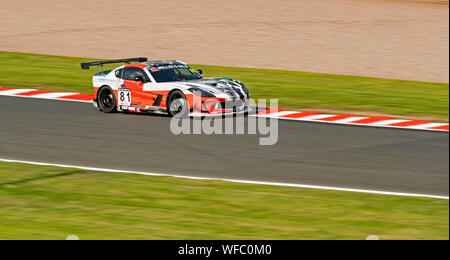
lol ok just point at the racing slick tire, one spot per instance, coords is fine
(106, 100)
(177, 104)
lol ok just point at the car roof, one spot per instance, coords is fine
(156, 63)
(163, 62)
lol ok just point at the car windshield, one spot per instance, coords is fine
(173, 72)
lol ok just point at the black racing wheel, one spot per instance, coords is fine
(106, 100)
(177, 104)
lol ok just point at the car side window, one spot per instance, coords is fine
(141, 72)
(119, 73)
(131, 73)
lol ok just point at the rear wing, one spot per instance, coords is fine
(99, 64)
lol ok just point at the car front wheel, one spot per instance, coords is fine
(177, 104)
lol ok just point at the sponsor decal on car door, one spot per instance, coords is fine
(124, 97)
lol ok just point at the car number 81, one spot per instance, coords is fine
(124, 97)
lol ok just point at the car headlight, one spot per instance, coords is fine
(200, 92)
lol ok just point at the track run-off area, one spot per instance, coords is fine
(308, 154)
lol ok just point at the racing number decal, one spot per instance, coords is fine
(124, 97)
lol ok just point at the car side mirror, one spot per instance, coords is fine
(139, 79)
(200, 72)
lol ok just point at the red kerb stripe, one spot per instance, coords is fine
(301, 114)
(370, 120)
(335, 118)
(443, 127)
(411, 123)
(32, 93)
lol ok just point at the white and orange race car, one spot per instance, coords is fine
(171, 87)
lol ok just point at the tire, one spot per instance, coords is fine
(106, 100)
(177, 104)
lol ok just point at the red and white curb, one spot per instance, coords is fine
(32, 93)
(376, 121)
(308, 116)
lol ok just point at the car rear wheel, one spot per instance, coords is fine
(106, 100)
(177, 104)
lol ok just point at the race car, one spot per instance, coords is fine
(169, 86)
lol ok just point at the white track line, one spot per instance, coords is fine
(305, 186)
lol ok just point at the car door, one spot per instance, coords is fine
(131, 91)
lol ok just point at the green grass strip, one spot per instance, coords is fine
(41, 202)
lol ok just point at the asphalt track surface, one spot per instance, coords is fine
(395, 160)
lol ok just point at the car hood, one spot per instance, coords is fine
(219, 87)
